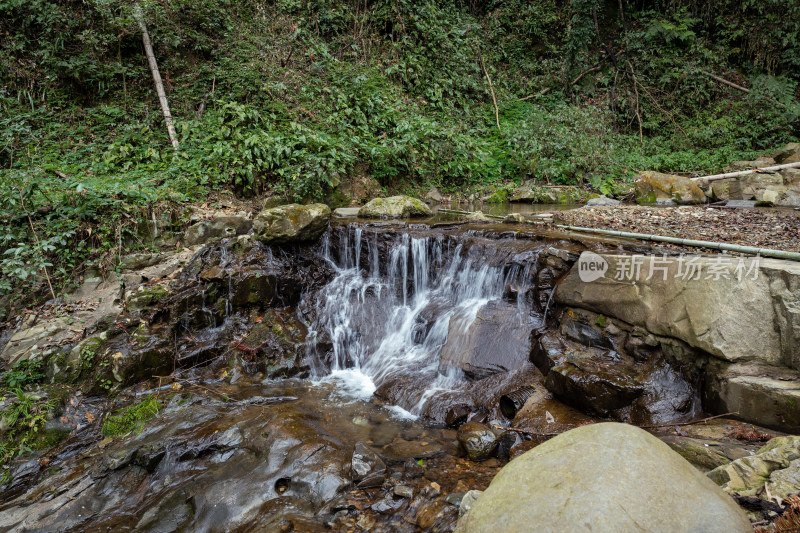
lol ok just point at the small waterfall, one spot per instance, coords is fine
(386, 320)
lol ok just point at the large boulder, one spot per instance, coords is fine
(395, 207)
(655, 187)
(291, 223)
(711, 303)
(603, 477)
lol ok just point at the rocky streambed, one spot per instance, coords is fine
(368, 375)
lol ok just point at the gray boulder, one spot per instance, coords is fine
(291, 223)
(217, 228)
(718, 312)
(603, 478)
(395, 207)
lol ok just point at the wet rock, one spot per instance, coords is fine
(584, 334)
(777, 463)
(506, 442)
(652, 187)
(277, 344)
(403, 491)
(478, 441)
(454, 498)
(611, 384)
(456, 415)
(430, 513)
(367, 468)
(401, 449)
(388, 505)
(467, 501)
(496, 340)
(291, 223)
(605, 477)
(395, 207)
(145, 297)
(217, 228)
(413, 469)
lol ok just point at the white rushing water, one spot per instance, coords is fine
(388, 321)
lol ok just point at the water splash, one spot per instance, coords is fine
(387, 318)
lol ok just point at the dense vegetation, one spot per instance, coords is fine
(292, 97)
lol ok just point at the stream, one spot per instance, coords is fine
(382, 335)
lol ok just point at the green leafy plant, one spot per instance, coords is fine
(22, 373)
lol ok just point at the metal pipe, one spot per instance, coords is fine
(716, 177)
(763, 252)
(459, 212)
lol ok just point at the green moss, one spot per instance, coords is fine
(146, 297)
(600, 321)
(131, 418)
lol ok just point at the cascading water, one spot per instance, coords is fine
(387, 320)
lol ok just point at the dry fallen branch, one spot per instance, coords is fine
(738, 87)
(698, 421)
(491, 89)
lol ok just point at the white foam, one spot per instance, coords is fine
(351, 383)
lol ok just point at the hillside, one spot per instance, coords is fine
(295, 98)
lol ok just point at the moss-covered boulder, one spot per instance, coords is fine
(777, 463)
(395, 207)
(656, 187)
(291, 223)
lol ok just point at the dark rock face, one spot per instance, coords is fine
(277, 344)
(613, 372)
(495, 341)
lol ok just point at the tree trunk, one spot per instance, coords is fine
(162, 96)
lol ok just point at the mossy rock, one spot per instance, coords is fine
(656, 187)
(291, 223)
(145, 297)
(278, 341)
(395, 207)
